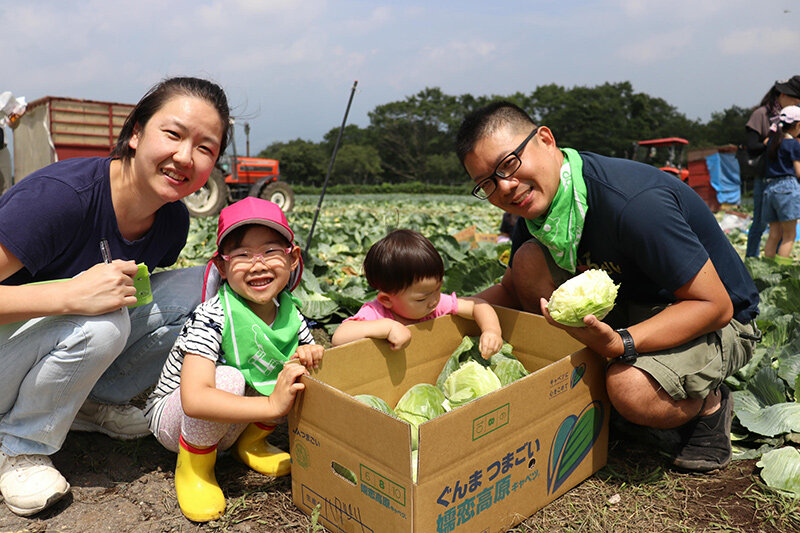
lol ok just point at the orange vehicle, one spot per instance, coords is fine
(236, 177)
(668, 154)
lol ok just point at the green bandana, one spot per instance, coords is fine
(255, 348)
(561, 228)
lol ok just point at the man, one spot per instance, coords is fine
(683, 321)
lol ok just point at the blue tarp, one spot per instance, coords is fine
(723, 169)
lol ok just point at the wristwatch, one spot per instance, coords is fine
(629, 355)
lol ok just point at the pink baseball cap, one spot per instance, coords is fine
(252, 210)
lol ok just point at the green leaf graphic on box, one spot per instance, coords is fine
(572, 442)
(577, 374)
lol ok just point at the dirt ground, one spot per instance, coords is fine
(128, 486)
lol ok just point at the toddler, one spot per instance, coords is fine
(407, 271)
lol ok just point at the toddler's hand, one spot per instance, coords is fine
(309, 355)
(399, 336)
(286, 388)
(489, 344)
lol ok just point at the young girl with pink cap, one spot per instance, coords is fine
(227, 380)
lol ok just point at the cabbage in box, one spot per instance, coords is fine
(482, 467)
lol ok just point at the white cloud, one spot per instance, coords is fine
(765, 41)
(656, 48)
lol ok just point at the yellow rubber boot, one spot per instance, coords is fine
(199, 495)
(253, 450)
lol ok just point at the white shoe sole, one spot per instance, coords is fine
(28, 511)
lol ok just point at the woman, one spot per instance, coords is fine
(782, 94)
(63, 342)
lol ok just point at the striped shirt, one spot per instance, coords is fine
(201, 335)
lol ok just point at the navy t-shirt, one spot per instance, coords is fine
(652, 233)
(54, 219)
(783, 165)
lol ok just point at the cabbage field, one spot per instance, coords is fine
(766, 391)
(332, 287)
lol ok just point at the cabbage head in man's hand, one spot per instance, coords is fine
(590, 293)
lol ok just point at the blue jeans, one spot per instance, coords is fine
(50, 365)
(757, 226)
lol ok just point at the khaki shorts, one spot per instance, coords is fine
(691, 370)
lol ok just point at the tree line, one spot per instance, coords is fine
(412, 140)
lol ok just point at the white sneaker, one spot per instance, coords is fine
(30, 483)
(119, 421)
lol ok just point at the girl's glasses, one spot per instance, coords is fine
(249, 257)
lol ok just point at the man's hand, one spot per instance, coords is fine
(597, 335)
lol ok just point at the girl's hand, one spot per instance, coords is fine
(398, 336)
(489, 344)
(286, 388)
(309, 355)
(103, 288)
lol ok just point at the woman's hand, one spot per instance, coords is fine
(103, 288)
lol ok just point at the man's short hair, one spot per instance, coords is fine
(487, 120)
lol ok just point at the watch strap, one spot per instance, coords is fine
(629, 355)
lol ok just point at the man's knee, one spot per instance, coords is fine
(531, 276)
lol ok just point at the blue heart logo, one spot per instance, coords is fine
(572, 442)
(577, 374)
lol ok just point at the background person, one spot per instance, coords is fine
(781, 203)
(780, 95)
(407, 271)
(685, 297)
(63, 342)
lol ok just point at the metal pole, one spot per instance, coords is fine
(330, 168)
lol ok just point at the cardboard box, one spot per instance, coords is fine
(482, 467)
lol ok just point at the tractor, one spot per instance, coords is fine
(668, 154)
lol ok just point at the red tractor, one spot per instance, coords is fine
(236, 177)
(668, 154)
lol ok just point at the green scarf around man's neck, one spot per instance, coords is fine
(560, 229)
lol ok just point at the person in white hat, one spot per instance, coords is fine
(781, 201)
(228, 379)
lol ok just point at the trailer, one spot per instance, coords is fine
(54, 128)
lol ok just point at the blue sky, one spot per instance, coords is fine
(288, 65)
